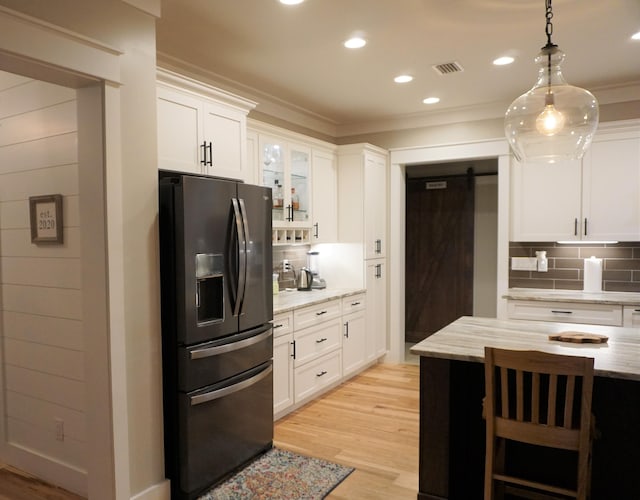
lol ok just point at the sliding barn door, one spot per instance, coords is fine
(439, 254)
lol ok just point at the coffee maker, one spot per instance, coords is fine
(312, 264)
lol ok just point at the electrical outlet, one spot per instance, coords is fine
(286, 265)
(59, 429)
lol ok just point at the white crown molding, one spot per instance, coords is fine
(291, 113)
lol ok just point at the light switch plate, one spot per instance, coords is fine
(524, 264)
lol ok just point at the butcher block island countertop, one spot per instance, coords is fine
(466, 338)
(452, 388)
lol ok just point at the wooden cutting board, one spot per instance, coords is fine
(580, 337)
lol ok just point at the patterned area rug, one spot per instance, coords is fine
(283, 475)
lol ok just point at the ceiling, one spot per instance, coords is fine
(290, 59)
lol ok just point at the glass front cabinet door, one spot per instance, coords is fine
(285, 169)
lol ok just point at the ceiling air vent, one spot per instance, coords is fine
(447, 68)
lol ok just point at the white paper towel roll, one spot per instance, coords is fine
(592, 275)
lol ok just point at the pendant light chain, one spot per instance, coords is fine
(549, 47)
(549, 26)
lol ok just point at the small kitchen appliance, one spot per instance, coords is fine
(305, 279)
(312, 264)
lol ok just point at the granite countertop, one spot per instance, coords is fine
(286, 301)
(465, 339)
(621, 298)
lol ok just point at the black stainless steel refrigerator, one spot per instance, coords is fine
(217, 343)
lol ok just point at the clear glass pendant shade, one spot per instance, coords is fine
(553, 121)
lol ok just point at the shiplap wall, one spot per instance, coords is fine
(41, 296)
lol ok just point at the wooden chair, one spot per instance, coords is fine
(540, 399)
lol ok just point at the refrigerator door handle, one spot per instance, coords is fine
(239, 285)
(232, 346)
(225, 391)
(244, 258)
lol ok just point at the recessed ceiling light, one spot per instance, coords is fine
(431, 100)
(636, 36)
(355, 43)
(502, 61)
(403, 78)
(291, 2)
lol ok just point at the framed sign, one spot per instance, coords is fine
(45, 213)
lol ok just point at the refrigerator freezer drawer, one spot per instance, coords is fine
(211, 362)
(223, 427)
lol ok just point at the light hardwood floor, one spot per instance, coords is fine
(370, 422)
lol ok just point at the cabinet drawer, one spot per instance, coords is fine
(353, 303)
(317, 374)
(631, 316)
(566, 312)
(282, 324)
(317, 340)
(313, 315)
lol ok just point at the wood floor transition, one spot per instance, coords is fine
(370, 422)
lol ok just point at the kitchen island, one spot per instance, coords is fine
(452, 387)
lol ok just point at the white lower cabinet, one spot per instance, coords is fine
(316, 347)
(376, 322)
(631, 316)
(354, 354)
(282, 362)
(318, 374)
(566, 312)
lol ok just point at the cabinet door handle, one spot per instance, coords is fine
(203, 161)
(378, 271)
(355, 303)
(575, 226)
(378, 246)
(561, 312)
(323, 372)
(290, 213)
(320, 341)
(585, 226)
(293, 354)
(315, 233)
(321, 313)
(346, 329)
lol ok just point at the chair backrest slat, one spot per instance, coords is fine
(504, 391)
(551, 400)
(535, 398)
(519, 396)
(568, 401)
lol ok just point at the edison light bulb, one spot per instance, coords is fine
(550, 121)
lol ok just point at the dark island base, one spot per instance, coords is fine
(452, 437)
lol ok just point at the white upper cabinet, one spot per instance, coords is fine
(362, 187)
(324, 197)
(201, 129)
(545, 201)
(302, 173)
(611, 189)
(597, 198)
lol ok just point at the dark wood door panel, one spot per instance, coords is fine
(439, 254)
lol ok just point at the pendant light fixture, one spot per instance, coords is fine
(553, 121)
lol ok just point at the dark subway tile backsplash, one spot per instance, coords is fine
(620, 266)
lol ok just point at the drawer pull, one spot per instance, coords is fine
(561, 312)
(320, 341)
(278, 326)
(355, 303)
(323, 372)
(636, 310)
(321, 313)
